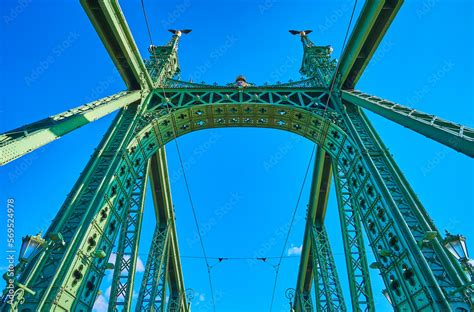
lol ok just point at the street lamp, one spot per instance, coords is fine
(290, 294)
(387, 296)
(30, 247)
(456, 244)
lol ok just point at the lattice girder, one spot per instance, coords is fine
(121, 293)
(156, 128)
(328, 291)
(354, 249)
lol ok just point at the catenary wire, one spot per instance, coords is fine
(277, 268)
(182, 167)
(339, 63)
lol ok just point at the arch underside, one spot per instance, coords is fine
(325, 127)
(171, 113)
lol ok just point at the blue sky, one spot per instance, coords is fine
(244, 182)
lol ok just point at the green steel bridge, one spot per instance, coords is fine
(62, 269)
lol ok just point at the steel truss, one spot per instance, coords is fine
(354, 249)
(328, 290)
(372, 192)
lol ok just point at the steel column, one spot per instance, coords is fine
(328, 292)
(354, 249)
(121, 293)
(152, 291)
(316, 212)
(439, 276)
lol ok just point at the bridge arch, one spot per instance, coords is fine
(325, 128)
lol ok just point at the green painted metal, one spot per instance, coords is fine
(328, 291)
(316, 212)
(317, 62)
(121, 293)
(152, 296)
(371, 26)
(109, 22)
(456, 136)
(418, 275)
(354, 249)
(164, 213)
(20, 141)
(396, 224)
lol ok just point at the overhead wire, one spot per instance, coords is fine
(277, 267)
(333, 81)
(182, 168)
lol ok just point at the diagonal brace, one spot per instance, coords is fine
(109, 22)
(20, 141)
(453, 135)
(316, 213)
(371, 26)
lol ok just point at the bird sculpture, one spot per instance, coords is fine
(179, 32)
(301, 32)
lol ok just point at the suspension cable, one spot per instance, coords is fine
(339, 63)
(277, 268)
(182, 168)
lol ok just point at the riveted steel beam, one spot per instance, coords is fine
(372, 24)
(456, 136)
(327, 286)
(121, 294)
(164, 212)
(316, 212)
(109, 22)
(20, 141)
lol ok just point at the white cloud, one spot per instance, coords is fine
(201, 297)
(139, 267)
(107, 291)
(101, 304)
(295, 250)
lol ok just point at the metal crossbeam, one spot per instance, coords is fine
(94, 206)
(372, 24)
(152, 291)
(397, 224)
(20, 141)
(164, 213)
(121, 293)
(456, 136)
(327, 286)
(109, 22)
(354, 249)
(316, 213)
